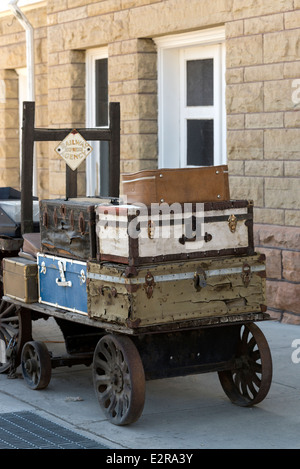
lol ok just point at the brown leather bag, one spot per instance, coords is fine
(205, 184)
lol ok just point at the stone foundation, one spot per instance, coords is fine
(281, 245)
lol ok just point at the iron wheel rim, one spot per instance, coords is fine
(249, 382)
(119, 379)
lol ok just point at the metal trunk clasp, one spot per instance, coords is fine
(232, 222)
(62, 282)
(199, 279)
(246, 274)
(149, 284)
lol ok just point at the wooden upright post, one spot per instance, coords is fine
(114, 150)
(27, 167)
(71, 182)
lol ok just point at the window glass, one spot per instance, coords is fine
(200, 82)
(101, 91)
(200, 142)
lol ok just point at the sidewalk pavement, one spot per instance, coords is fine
(189, 412)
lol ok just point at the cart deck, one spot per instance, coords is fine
(123, 358)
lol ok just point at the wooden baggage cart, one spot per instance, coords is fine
(122, 346)
(124, 356)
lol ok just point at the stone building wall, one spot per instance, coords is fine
(263, 136)
(262, 102)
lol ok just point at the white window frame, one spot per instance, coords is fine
(172, 52)
(93, 160)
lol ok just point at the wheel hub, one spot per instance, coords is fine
(117, 379)
(30, 365)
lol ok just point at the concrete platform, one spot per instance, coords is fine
(180, 413)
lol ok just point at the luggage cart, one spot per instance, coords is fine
(124, 356)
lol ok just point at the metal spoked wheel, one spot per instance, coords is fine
(249, 383)
(119, 379)
(36, 365)
(15, 330)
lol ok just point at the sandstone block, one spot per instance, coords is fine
(283, 295)
(54, 6)
(273, 262)
(264, 120)
(264, 24)
(282, 46)
(65, 75)
(292, 168)
(282, 193)
(264, 72)
(269, 215)
(291, 70)
(247, 188)
(102, 7)
(234, 75)
(282, 144)
(243, 51)
(246, 97)
(292, 19)
(291, 266)
(292, 119)
(278, 96)
(72, 14)
(283, 237)
(236, 168)
(245, 144)
(235, 121)
(234, 28)
(255, 8)
(292, 217)
(264, 168)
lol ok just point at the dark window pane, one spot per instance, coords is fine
(200, 82)
(101, 93)
(200, 142)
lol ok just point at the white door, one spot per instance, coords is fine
(191, 98)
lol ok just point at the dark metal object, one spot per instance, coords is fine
(188, 352)
(30, 134)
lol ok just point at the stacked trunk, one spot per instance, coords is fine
(140, 264)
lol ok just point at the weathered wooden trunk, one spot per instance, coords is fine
(68, 227)
(136, 235)
(176, 291)
(20, 279)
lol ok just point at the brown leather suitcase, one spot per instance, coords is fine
(205, 184)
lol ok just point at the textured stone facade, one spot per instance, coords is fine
(262, 102)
